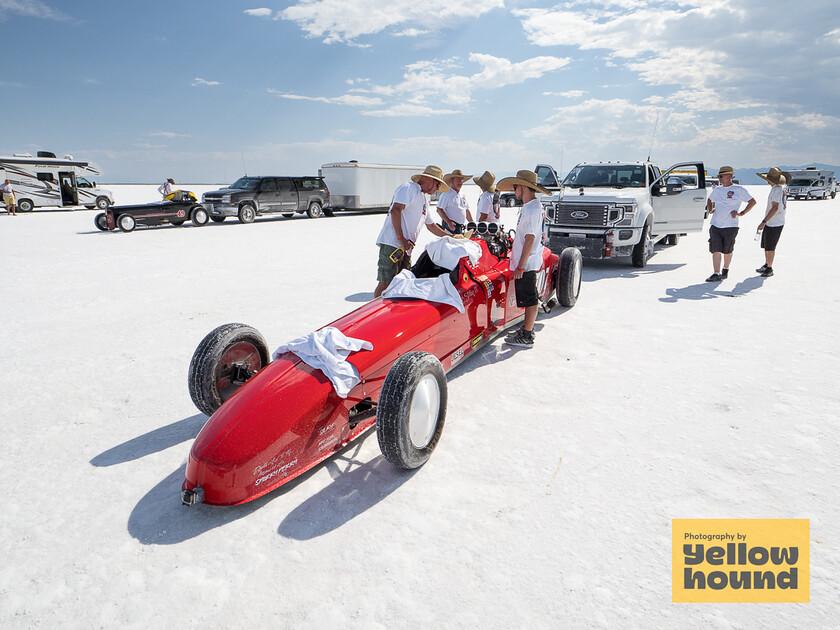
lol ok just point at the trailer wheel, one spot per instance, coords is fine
(568, 276)
(247, 213)
(411, 410)
(640, 250)
(102, 203)
(126, 223)
(101, 221)
(328, 212)
(198, 215)
(25, 205)
(226, 358)
(314, 210)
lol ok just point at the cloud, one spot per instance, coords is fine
(31, 8)
(347, 99)
(168, 134)
(344, 21)
(198, 81)
(258, 12)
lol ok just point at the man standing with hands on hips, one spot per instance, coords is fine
(723, 205)
(527, 251)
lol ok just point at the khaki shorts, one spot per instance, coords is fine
(9, 199)
(386, 268)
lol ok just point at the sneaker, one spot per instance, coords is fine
(767, 272)
(715, 277)
(523, 338)
(724, 273)
(515, 331)
(762, 269)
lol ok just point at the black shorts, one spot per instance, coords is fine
(722, 239)
(526, 290)
(770, 237)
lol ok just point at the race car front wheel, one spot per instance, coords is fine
(568, 276)
(101, 221)
(411, 410)
(226, 358)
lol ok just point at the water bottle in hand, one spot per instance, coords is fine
(758, 235)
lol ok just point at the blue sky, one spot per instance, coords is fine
(202, 91)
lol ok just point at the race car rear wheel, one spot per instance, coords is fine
(199, 216)
(101, 221)
(568, 276)
(226, 358)
(126, 223)
(411, 409)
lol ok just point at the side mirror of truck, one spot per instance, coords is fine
(674, 186)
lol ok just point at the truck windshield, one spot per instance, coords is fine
(803, 182)
(606, 176)
(246, 183)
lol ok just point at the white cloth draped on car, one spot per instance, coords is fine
(440, 289)
(327, 350)
(447, 251)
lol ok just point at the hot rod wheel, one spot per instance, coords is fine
(569, 274)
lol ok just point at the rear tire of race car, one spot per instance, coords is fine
(314, 210)
(101, 221)
(247, 213)
(640, 250)
(199, 216)
(568, 276)
(411, 410)
(126, 223)
(212, 365)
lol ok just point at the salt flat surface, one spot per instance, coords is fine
(547, 504)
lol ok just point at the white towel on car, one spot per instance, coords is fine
(446, 251)
(327, 350)
(440, 289)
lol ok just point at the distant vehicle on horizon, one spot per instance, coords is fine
(811, 183)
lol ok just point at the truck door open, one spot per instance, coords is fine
(676, 208)
(67, 184)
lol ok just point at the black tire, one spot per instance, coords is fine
(126, 223)
(328, 212)
(673, 239)
(198, 215)
(640, 250)
(247, 213)
(223, 361)
(314, 210)
(568, 276)
(218, 219)
(411, 410)
(102, 203)
(25, 205)
(101, 221)
(288, 215)
(177, 221)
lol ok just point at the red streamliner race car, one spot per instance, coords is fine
(271, 421)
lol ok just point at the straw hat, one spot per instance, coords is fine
(523, 178)
(726, 170)
(485, 182)
(456, 173)
(775, 177)
(434, 172)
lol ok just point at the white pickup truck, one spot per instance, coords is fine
(613, 209)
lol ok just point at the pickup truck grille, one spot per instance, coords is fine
(583, 214)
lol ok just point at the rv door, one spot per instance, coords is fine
(677, 209)
(69, 194)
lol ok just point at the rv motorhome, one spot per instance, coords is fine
(45, 180)
(811, 183)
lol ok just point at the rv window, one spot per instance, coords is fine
(46, 177)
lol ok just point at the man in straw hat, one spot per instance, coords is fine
(408, 212)
(723, 204)
(452, 205)
(485, 208)
(527, 251)
(774, 217)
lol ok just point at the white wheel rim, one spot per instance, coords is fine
(425, 407)
(576, 277)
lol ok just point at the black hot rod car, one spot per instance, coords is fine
(176, 208)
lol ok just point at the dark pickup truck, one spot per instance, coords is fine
(250, 197)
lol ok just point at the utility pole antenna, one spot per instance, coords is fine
(244, 170)
(655, 125)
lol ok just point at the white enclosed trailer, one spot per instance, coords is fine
(359, 186)
(45, 180)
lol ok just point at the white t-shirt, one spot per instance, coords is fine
(727, 199)
(413, 215)
(485, 206)
(530, 221)
(777, 194)
(165, 188)
(454, 205)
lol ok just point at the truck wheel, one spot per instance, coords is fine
(411, 410)
(102, 203)
(101, 221)
(126, 223)
(568, 276)
(198, 215)
(314, 210)
(25, 205)
(247, 213)
(226, 358)
(673, 239)
(640, 250)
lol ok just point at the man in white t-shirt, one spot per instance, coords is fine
(408, 213)
(774, 217)
(723, 204)
(485, 208)
(166, 187)
(527, 251)
(452, 205)
(8, 195)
